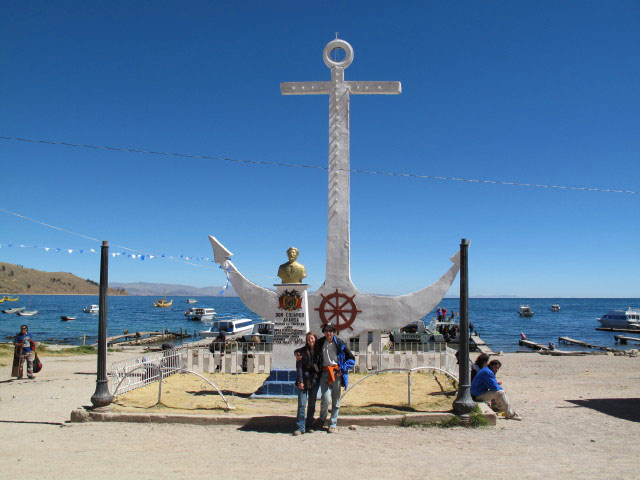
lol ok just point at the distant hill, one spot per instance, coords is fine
(16, 279)
(159, 289)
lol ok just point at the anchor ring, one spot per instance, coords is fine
(333, 45)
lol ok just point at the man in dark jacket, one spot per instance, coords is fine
(334, 360)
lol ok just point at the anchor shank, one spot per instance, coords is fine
(338, 272)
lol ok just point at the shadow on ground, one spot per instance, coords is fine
(226, 393)
(270, 424)
(624, 408)
(34, 423)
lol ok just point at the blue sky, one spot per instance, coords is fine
(539, 92)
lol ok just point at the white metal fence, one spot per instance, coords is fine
(234, 358)
(133, 373)
(237, 358)
(429, 356)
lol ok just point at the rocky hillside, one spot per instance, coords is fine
(15, 279)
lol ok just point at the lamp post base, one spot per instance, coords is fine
(463, 403)
(101, 397)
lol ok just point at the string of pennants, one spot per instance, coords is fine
(133, 256)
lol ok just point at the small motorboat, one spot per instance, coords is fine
(264, 332)
(629, 319)
(201, 314)
(191, 300)
(66, 318)
(91, 309)
(13, 310)
(232, 328)
(525, 311)
(555, 307)
(27, 313)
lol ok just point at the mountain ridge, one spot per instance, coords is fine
(160, 289)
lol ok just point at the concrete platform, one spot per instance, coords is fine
(273, 421)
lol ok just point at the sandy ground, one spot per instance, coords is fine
(581, 419)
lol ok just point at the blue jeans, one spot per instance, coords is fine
(330, 391)
(306, 401)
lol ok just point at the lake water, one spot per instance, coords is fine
(496, 320)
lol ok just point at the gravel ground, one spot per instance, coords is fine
(580, 420)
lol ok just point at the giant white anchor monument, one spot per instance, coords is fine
(338, 300)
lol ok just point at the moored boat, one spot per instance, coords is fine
(66, 318)
(27, 313)
(263, 331)
(163, 303)
(13, 310)
(191, 300)
(233, 328)
(525, 311)
(555, 307)
(91, 309)
(11, 299)
(202, 314)
(621, 319)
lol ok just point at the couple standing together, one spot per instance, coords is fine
(323, 365)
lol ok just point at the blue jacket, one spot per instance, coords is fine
(346, 360)
(484, 381)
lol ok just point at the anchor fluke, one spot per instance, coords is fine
(220, 253)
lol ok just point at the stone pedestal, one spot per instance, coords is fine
(291, 326)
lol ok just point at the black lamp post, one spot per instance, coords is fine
(101, 397)
(464, 403)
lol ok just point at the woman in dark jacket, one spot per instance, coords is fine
(307, 383)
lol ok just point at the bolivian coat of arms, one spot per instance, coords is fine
(290, 300)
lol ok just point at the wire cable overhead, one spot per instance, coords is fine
(318, 167)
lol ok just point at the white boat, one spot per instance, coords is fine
(27, 313)
(191, 300)
(91, 309)
(13, 310)
(555, 307)
(202, 314)
(525, 311)
(263, 330)
(233, 328)
(621, 319)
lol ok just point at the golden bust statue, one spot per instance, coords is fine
(292, 271)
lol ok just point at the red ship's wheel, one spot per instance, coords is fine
(338, 308)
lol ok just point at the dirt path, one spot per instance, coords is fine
(581, 420)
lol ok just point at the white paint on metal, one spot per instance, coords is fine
(376, 312)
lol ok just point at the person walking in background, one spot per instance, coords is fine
(334, 360)
(24, 340)
(485, 388)
(307, 383)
